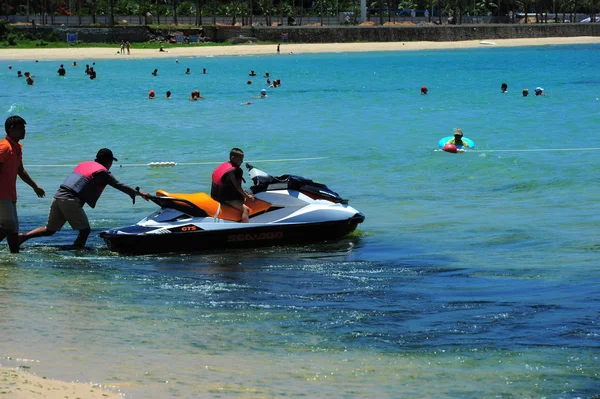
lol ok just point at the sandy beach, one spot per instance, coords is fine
(17, 384)
(257, 49)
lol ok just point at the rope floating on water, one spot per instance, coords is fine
(163, 164)
(539, 150)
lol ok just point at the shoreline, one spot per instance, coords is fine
(18, 384)
(94, 53)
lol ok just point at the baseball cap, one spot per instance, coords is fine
(105, 154)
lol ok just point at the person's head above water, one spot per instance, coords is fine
(458, 133)
(504, 88)
(525, 92)
(424, 89)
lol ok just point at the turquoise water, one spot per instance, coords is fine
(474, 275)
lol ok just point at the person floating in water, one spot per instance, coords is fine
(503, 88)
(151, 95)
(83, 186)
(187, 71)
(457, 140)
(227, 184)
(539, 91)
(155, 72)
(525, 92)
(168, 95)
(424, 90)
(252, 73)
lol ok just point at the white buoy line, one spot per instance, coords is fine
(538, 150)
(170, 163)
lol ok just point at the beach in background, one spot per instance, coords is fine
(77, 53)
(493, 298)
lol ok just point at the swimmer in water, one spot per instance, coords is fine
(504, 88)
(457, 140)
(151, 95)
(424, 90)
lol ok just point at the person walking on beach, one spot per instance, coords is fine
(128, 45)
(83, 186)
(278, 44)
(122, 47)
(227, 184)
(11, 166)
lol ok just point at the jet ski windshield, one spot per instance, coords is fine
(265, 182)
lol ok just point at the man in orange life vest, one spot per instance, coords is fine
(11, 166)
(227, 184)
(83, 186)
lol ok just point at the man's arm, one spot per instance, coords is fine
(113, 182)
(238, 185)
(29, 181)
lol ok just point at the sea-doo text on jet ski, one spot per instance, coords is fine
(288, 209)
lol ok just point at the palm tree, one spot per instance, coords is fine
(526, 6)
(111, 6)
(175, 12)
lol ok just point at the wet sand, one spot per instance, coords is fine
(17, 384)
(286, 49)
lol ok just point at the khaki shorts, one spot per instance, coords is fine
(8, 215)
(67, 210)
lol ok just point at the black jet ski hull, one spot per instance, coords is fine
(202, 240)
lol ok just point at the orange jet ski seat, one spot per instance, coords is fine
(211, 207)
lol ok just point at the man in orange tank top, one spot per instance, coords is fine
(11, 166)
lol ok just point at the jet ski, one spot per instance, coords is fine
(287, 210)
